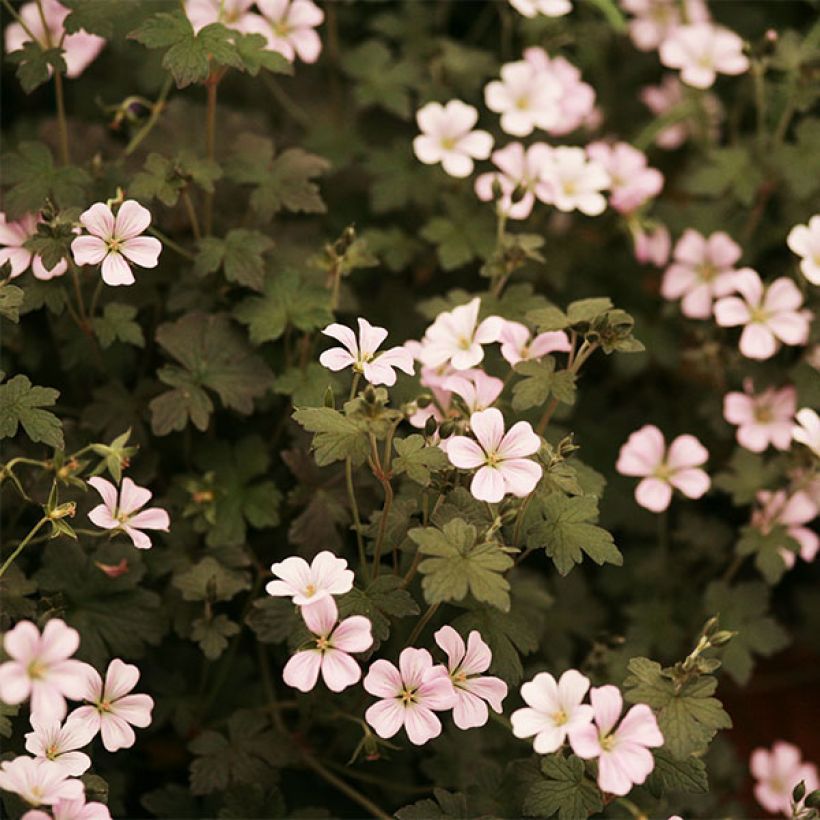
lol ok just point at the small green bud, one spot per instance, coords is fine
(447, 429)
(424, 400)
(518, 194)
(497, 190)
(710, 626)
(369, 394)
(722, 637)
(330, 400)
(430, 426)
(799, 791)
(813, 800)
(66, 510)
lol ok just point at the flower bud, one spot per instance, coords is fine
(799, 791)
(813, 800)
(710, 626)
(430, 426)
(65, 510)
(497, 190)
(424, 400)
(722, 638)
(330, 400)
(518, 194)
(369, 394)
(447, 429)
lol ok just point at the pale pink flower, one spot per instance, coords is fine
(330, 653)
(660, 99)
(307, 583)
(792, 512)
(473, 691)
(410, 696)
(519, 171)
(807, 430)
(39, 782)
(233, 14)
(763, 419)
(71, 810)
(60, 743)
(769, 314)
(361, 354)
(432, 379)
(116, 241)
(553, 709)
(702, 270)
(645, 455)
(549, 8)
(41, 668)
(80, 49)
(476, 389)
(652, 245)
(122, 511)
(501, 460)
(623, 754)
(572, 181)
(13, 236)
(777, 772)
(655, 20)
(631, 181)
(447, 136)
(111, 709)
(288, 26)
(526, 97)
(702, 51)
(804, 240)
(517, 344)
(456, 337)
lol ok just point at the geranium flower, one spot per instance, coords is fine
(804, 240)
(702, 51)
(307, 583)
(645, 455)
(79, 49)
(473, 691)
(39, 782)
(233, 14)
(288, 26)
(703, 270)
(517, 344)
(477, 390)
(763, 419)
(330, 655)
(553, 709)
(632, 182)
(112, 241)
(71, 810)
(549, 8)
(447, 136)
(526, 98)
(361, 354)
(410, 696)
(807, 430)
(777, 772)
(519, 171)
(571, 181)
(434, 381)
(500, 459)
(123, 511)
(655, 20)
(112, 711)
(53, 741)
(623, 754)
(768, 314)
(652, 246)
(13, 236)
(670, 94)
(792, 512)
(456, 337)
(41, 668)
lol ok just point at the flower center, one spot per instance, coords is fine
(310, 590)
(465, 343)
(607, 742)
(103, 706)
(113, 244)
(764, 414)
(52, 752)
(758, 315)
(560, 717)
(323, 644)
(493, 460)
(522, 103)
(448, 143)
(662, 472)
(570, 187)
(706, 272)
(281, 28)
(459, 677)
(36, 670)
(407, 696)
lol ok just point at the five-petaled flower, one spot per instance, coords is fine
(804, 240)
(702, 51)
(306, 583)
(39, 782)
(632, 182)
(777, 772)
(792, 512)
(288, 26)
(526, 97)
(517, 344)
(475, 388)
(519, 170)
(570, 181)
(763, 419)
(122, 511)
(77, 809)
(233, 14)
(61, 743)
(13, 236)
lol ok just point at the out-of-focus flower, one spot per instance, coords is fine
(655, 20)
(39, 782)
(60, 743)
(571, 181)
(631, 181)
(123, 511)
(645, 455)
(517, 344)
(306, 583)
(792, 511)
(71, 810)
(660, 99)
(519, 171)
(233, 14)
(652, 245)
(777, 772)
(477, 390)
(447, 136)
(288, 26)
(702, 51)
(13, 236)
(549, 8)
(526, 97)
(807, 430)
(804, 240)
(763, 419)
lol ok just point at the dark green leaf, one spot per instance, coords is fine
(21, 404)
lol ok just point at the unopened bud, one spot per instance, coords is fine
(369, 394)
(447, 429)
(722, 638)
(66, 510)
(518, 194)
(497, 190)
(771, 35)
(710, 626)
(424, 401)
(430, 426)
(799, 791)
(813, 800)
(330, 400)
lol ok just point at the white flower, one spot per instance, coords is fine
(549, 8)
(288, 26)
(807, 429)
(571, 181)
(52, 741)
(703, 51)
(804, 240)
(526, 97)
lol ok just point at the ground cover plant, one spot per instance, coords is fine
(409, 409)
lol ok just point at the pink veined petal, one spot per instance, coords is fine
(344, 335)
(47, 703)
(120, 679)
(420, 724)
(142, 250)
(336, 358)
(15, 684)
(321, 616)
(138, 538)
(477, 657)
(383, 680)
(154, 518)
(98, 220)
(584, 741)
(116, 733)
(643, 451)
(697, 304)
(92, 687)
(640, 726)
(87, 718)
(519, 441)
(612, 777)
(759, 764)
(791, 328)
(132, 497)
(101, 516)
(18, 258)
(136, 709)
(398, 357)
(692, 482)
(677, 280)
(70, 677)
(413, 665)
(489, 688)
(353, 634)
(452, 645)
(542, 693)
(307, 43)
(22, 642)
(551, 342)
(607, 703)
(379, 372)
(686, 451)
(58, 641)
(528, 722)
(132, 220)
(88, 250)
(274, 10)
(748, 283)
(76, 733)
(488, 428)
(81, 49)
(331, 573)
(339, 670)
(738, 408)
(731, 311)
(549, 739)
(572, 688)
(755, 437)
(302, 670)
(370, 337)
(464, 453)
(116, 271)
(385, 716)
(520, 475)
(470, 711)
(653, 494)
(294, 571)
(757, 342)
(437, 691)
(487, 484)
(304, 14)
(74, 764)
(489, 330)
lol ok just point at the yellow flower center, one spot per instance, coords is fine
(35, 670)
(310, 590)
(407, 696)
(560, 717)
(706, 272)
(607, 742)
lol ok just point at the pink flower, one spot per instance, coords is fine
(526, 97)
(112, 710)
(702, 51)
(52, 741)
(571, 181)
(288, 27)
(307, 583)
(41, 668)
(764, 419)
(79, 49)
(777, 773)
(120, 511)
(447, 136)
(623, 754)
(71, 810)
(361, 354)
(631, 181)
(38, 782)
(669, 95)
(113, 241)
(434, 381)
(652, 246)
(807, 430)
(234, 14)
(409, 696)
(13, 236)
(519, 170)
(333, 642)
(517, 344)
(553, 709)
(456, 337)
(804, 240)
(465, 665)
(549, 8)
(500, 459)
(655, 20)
(477, 390)
(768, 314)
(703, 269)
(791, 511)
(645, 455)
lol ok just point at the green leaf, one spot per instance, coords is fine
(586, 311)
(417, 459)
(254, 54)
(539, 382)
(548, 319)
(745, 474)
(457, 565)
(465, 233)
(563, 789)
(11, 300)
(22, 403)
(105, 18)
(241, 253)
(212, 634)
(187, 401)
(380, 601)
(117, 323)
(727, 170)
(165, 179)
(7, 711)
(306, 386)
(274, 620)
(566, 531)
(379, 80)
(35, 64)
(445, 805)
(677, 776)
(767, 548)
(208, 580)
(336, 437)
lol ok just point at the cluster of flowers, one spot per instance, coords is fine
(777, 772)
(41, 669)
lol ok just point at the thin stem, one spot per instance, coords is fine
(354, 509)
(61, 118)
(520, 518)
(733, 569)
(422, 622)
(11, 10)
(634, 810)
(585, 351)
(192, 218)
(75, 279)
(171, 244)
(377, 550)
(22, 545)
(365, 777)
(210, 144)
(95, 299)
(345, 788)
(156, 110)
